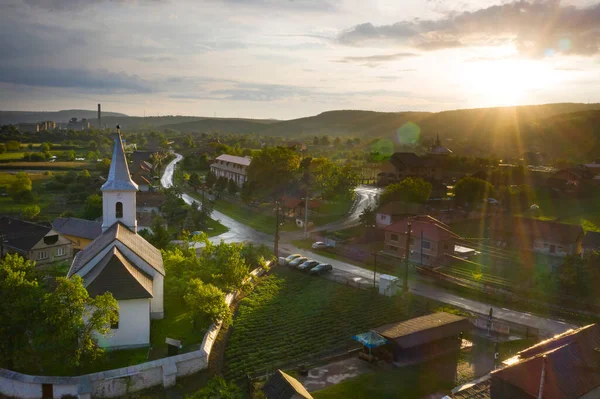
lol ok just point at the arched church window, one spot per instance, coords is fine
(119, 210)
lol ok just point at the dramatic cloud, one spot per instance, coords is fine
(536, 28)
(95, 81)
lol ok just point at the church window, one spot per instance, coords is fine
(119, 210)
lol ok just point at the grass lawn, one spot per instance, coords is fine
(48, 165)
(406, 383)
(332, 212)
(177, 324)
(8, 206)
(258, 221)
(293, 318)
(11, 156)
(217, 228)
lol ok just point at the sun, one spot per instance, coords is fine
(505, 82)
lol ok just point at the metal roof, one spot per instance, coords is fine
(118, 175)
(424, 329)
(89, 229)
(234, 159)
(22, 235)
(283, 386)
(119, 232)
(117, 275)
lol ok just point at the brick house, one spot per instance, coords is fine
(541, 236)
(35, 242)
(430, 243)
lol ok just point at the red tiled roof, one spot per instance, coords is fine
(432, 228)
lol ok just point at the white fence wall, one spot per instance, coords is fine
(117, 382)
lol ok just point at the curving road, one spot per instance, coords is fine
(238, 232)
(366, 196)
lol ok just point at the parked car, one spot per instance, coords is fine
(320, 245)
(298, 261)
(321, 268)
(291, 258)
(309, 264)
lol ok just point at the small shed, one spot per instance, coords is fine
(424, 337)
(283, 386)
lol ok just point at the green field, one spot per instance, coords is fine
(11, 156)
(58, 165)
(292, 318)
(258, 221)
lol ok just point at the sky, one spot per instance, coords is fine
(286, 59)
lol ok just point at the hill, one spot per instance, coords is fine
(13, 117)
(227, 125)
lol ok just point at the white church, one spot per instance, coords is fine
(122, 262)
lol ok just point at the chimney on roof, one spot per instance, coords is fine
(99, 116)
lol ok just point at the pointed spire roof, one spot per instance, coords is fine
(119, 178)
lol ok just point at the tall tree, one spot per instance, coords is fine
(206, 300)
(273, 169)
(21, 189)
(92, 208)
(470, 190)
(408, 190)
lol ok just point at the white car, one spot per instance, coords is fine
(320, 245)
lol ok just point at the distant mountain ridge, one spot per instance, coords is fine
(14, 117)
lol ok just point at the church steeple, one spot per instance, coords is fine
(438, 143)
(119, 191)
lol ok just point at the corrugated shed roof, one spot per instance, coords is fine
(118, 174)
(572, 365)
(284, 386)
(234, 159)
(117, 275)
(480, 390)
(119, 232)
(20, 234)
(424, 329)
(89, 229)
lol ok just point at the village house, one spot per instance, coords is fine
(571, 180)
(565, 366)
(81, 232)
(122, 262)
(540, 236)
(395, 211)
(431, 241)
(35, 242)
(231, 167)
(149, 202)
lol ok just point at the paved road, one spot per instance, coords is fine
(551, 327)
(366, 196)
(238, 232)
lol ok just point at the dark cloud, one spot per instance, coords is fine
(73, 5)
(537, 28)
(83, 79)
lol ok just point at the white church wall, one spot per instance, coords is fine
(134, 325)
(109, 216)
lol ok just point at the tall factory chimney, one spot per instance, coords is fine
(99, 116)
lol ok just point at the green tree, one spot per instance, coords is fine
(85, 174)
(232, 187)
(21, 296)
(92, 207)
(30, 212)
(408, 190)
(21, 189)
(45, 147)
(337, 141)
(211, 179)
(367, 217)
(13, 145)
(325, 140)
(273, 169)
(218, 388)
(70, 155)
(206, 300)
(316, 140)
(103, 166)
(160, 236)
(470, 190)
(2, 148)
(66, 335)
(195, 181)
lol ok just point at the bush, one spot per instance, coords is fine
(218, 388)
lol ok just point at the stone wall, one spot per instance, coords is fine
(117, 382)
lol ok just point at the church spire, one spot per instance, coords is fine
(119, 178)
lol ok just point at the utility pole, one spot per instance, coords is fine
(406, 259)
(374, 270)
(276, 243)
(306, 214)
(421, 247)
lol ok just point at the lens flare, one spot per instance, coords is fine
(382, 149)
(408, 133)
